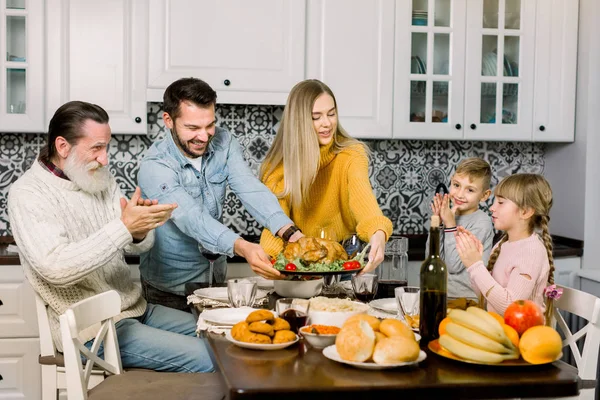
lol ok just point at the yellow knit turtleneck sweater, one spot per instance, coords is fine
(340, 198)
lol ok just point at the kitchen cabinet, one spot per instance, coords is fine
(22, 66)
(474, 70)
(19, 337)
(249, 52)
(357, 64)
(97, 52)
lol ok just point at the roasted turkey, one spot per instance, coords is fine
(313, 250)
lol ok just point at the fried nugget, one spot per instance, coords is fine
(280, 324)
(251, 337)
(262, 327)
(284, 337)
(260, 315)
(239, 330)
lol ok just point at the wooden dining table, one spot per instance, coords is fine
(302, 372)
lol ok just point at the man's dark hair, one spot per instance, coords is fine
(187, 89)
(67, 122)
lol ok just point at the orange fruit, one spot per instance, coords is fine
(512, 334)
(442, 326)
(498, 317)
(540, 344)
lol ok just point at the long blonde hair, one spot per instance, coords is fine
(296, 144)
(529, 191)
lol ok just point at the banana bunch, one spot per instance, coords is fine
(477, 336)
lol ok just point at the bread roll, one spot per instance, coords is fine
(379, 336)
(393, 327)
(355, 342)
(395, 349)
(369, 319)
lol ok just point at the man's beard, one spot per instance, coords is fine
(185, 147)
(81, 174)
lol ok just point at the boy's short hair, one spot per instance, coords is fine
(475, 167)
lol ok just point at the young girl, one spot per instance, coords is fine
(321, 175)
(521, 264)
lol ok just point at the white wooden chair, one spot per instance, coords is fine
(135, 384)
(51, 361)
(586, 306)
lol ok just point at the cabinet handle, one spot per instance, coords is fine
(138, 119)
(1, 302)
(473, 126)
(226, 82)
(1, 377)
(542, 128)
(458, 126)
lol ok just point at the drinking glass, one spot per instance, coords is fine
(365, 287)
(212, 257)
(408, 304)
(330, 282)
(353, 245)
(295, 313)
(241, 292)
(392, 272)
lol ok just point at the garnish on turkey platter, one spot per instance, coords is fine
(316, 255)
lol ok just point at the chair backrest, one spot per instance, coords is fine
(98, 309)
(586, 306)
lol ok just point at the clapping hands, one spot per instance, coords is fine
(441, 207)
(140, 215)
(470, 249)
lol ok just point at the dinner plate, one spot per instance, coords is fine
(388, 305)
(435, 347)
(331, 353)
(226, 316)
(220, 293)
(259, 346)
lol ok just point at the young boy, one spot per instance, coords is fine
(469, 186)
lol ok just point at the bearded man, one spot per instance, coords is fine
(73, 226)
(192, 167)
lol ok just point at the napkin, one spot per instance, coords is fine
(204, 302)
(203, 326)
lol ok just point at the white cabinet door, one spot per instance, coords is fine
(97, 53)
(350, 47)
(429, 69)
(17, 304)
(19, 368)
(22, 66)
(555, 71)
(499, 69)
(250, 52)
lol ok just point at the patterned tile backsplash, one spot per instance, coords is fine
(404, 174)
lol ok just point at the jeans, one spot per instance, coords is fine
(157, 296)
(162, 339)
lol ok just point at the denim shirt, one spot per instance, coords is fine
(196, 224)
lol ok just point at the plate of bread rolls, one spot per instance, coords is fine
(369, 343)
(262, 330)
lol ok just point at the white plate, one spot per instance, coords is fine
(331, 353)
(257, 346)
(220, 293)
(388, 305)
(226, 316)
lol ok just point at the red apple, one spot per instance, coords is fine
(522, 315)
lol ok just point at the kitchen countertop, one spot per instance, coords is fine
(563, 247)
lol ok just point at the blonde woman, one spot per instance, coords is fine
(321, 175)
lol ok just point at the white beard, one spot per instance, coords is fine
(91, 177)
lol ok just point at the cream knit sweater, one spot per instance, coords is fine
(71, 244)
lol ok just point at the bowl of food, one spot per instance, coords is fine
(301, 289)
(319, 336)
(332, 311)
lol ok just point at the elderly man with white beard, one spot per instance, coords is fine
(73, 226)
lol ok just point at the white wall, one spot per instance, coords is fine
(574, 169)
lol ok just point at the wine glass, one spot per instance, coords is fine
(330, 282)
(211, 257)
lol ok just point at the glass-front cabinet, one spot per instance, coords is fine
(464, 69)
(21, 62)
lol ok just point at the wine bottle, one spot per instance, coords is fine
(434, 287)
